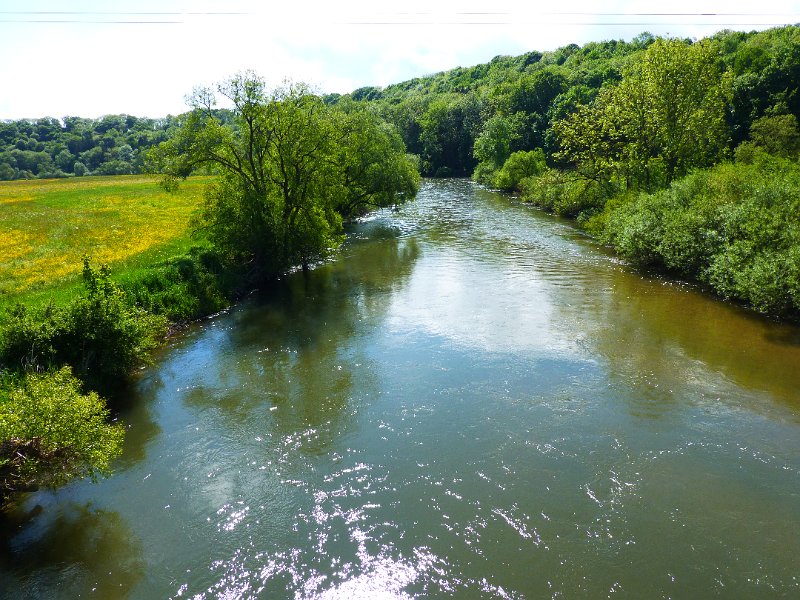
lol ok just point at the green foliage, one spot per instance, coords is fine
(665, 117)
(374, 169)
(290, 169)
(520, 165)
(565, 193)
(777, 135)
(766, 70)
(101, 335)
(183, 288)
(734, 227)
(46, 148)
(448, 129)
(107, 337)
(441, 117)
(51, 433)
(493, 145)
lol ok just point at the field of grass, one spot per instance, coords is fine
(127, 222)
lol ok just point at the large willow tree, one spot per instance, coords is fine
(290, 170)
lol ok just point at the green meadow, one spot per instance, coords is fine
(126, 222)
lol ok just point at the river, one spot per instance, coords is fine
(472, 400)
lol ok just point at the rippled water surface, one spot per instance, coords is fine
(472, 401)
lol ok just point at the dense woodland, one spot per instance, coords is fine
(462, 119)
(47, 147)
(682, 155)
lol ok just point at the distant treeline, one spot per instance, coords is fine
(680, 154)
(48, 148)
(457, 119)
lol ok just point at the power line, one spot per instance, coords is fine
(74, 22)
(407, 13)
(99, 12)
(430, 23)
(384, 18)
(596, 13)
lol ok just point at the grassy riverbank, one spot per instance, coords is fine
(93, 272)
(126, 222)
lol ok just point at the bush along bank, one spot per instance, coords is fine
(56, 360)
(735, 228)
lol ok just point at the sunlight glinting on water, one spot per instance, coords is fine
(473, 400)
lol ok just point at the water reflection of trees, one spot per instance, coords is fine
(74, 551)
(135, 410)
(292, 348)
(659, 336)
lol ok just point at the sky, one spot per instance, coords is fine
(143, 57)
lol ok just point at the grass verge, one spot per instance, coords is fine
(126, 222)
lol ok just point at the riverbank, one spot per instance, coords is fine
(468, 389)
(72, 326)
(732, 228)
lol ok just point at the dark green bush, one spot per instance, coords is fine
(565, 193)
(735, 227)
(187, 287)
(101, 334)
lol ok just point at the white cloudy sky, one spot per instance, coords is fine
(93, 57)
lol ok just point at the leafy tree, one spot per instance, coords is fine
(290, 168)
(592, 139)
(493, 144)
(448, 130)
(665, 117)
(371, 157)
(777, 135)
(80, 169)
(51, 433)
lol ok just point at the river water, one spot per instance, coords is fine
(472, 401)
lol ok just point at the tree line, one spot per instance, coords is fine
(73, 146)
(680, 154)
(469, 119)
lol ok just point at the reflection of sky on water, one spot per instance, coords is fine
(472, 402)
(445, 299)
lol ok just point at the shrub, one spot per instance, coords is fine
(519, 166)
(565, 193)
(50, 432)
(107, 336)
(734, 227)
(186, 287)
(101, 335)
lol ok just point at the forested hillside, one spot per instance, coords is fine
(47, 147)
(461, 118)
(598, 132)
(634, 140)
